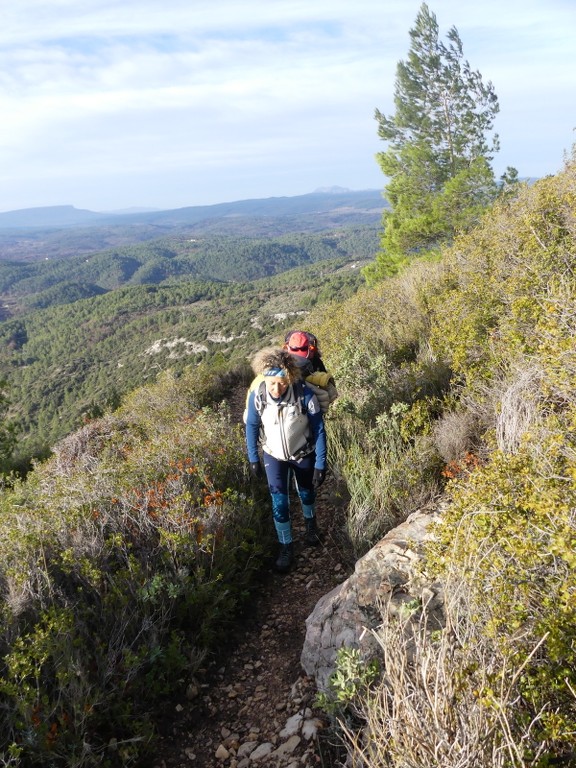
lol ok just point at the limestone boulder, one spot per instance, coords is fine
(384, 582)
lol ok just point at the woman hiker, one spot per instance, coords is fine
(283, 416)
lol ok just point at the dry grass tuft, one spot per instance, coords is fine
(446, 700)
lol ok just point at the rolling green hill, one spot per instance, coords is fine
(26, 285)
(72, 356)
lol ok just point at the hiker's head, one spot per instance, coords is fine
(278, 368)
(298, 343)
(302, 343)
(276, 385)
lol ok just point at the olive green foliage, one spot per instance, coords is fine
(511, 336)
(467, 368)
(7, 430)
(510, 532)
(508, 282)
(351, 679)
(439, 148)
(124, 559)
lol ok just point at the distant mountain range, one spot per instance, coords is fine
(330, 200)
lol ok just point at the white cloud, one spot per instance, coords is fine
(261, 98)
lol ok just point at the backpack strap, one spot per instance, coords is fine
(260, 397)
(299, 393)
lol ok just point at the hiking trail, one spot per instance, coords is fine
(242, 710)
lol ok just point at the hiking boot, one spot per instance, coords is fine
(312, 535)
(285, 557)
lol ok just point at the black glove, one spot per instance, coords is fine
(256, 469)
(319, 477)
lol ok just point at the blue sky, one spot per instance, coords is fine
(113, 104)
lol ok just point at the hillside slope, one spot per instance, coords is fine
(128, 557)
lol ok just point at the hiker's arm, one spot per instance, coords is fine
(252, 429)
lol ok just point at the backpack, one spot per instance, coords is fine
(324, 387)
(294, 439)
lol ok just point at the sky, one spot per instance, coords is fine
(118, 104)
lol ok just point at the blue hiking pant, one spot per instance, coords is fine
(278, 475)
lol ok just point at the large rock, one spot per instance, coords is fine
(384, 580)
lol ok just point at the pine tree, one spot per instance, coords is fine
(440, 145)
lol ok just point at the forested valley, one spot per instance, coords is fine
(79, 331)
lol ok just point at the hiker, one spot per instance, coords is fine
(304, 345)
(284, 417)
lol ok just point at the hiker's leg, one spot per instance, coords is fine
(304, 472)
(277, 473)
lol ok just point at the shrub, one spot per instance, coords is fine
(510, 534)
(351, 680)
(499, 280)
(389, 474)
(498, 687)
(390, 388)
(447, 699)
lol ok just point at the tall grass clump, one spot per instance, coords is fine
(387, 475)
(124, 560)
(448, 698)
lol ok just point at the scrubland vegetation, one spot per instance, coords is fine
(461, 373)
(124, 557)
(127, 553)
(76, 358)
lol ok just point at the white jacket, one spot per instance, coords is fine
(285, 432)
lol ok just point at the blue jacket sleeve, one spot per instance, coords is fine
(316, 420)
(252, 429)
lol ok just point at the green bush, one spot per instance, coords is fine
(500, 279)
(510, 534)
(391, 390)
(350, 681)
(389, 472)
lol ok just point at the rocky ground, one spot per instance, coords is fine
(255, 706)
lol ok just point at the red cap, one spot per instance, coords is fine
(298, 344)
